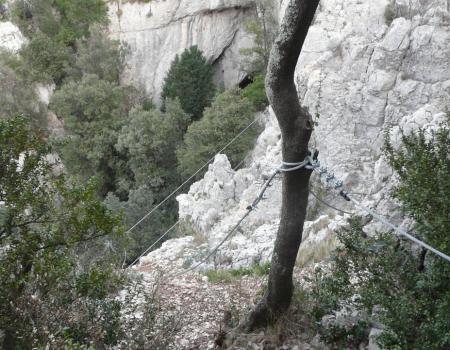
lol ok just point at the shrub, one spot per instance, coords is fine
(77, 16)
(256, 93)
(229, 114)
(150, 139)
(390, 13)
(94, 111)
(43, 220)
(405, 290)
(190, 79)
(263, 27)
(53, 28)
(62, 20)
(49, 297)
(99, 55)
(47, 59)
(17, 94)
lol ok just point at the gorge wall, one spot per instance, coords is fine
(366, 66)
(155, 31)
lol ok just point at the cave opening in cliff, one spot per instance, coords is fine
(246, 81)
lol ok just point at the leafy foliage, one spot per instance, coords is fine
(150, 138)
(406, 291)
(94, 111)
(99, 55)
(65, 21)
(48, 60)
(256, 93)
(49, 295)
(263, 27)
(43, 219)
(190, 79)
(227, 276)
(15, 90)
(53, 27)
(229, 114)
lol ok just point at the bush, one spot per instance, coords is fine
(48, 296)
(140, 201)
(405, 290)
(62, 20)
(53, 28)
(77, 16)
(263, 27)
(99, 55)
(190, 79)
(43, 220)
(229, 114)
(227, 276)
(94, 112)
(17, 94)
(47, 59)
(256, 93)
(390, 12)
(150, 139)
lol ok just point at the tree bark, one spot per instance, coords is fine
(296, 127)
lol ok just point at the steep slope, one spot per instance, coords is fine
(156, 31)
(365, 66)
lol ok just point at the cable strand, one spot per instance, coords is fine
(190, 178)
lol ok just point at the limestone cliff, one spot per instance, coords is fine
(157, 30)
(366, 65)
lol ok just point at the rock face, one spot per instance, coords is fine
(157, 30)
(365, 66)
(11, 39)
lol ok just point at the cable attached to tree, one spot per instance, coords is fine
(330, 179)
(285, 167)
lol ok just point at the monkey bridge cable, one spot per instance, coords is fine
(170, 229)
(285, 167)
(156, 207)
(332, 182)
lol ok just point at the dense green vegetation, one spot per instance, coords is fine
(228, 115)
(112, 131)
(254, 60)
(49, 294)
(256, 93)
(53, 27)
(94, 111)
(14, 90)
(190, 79)
(405, 289)
(263, 27)
(61, 225)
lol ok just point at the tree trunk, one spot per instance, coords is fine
(296, 127)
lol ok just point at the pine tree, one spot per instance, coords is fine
(190, 79)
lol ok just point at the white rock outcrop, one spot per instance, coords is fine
(11, 39)
(358, 74)
(157, 30)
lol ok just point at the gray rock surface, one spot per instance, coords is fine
(11, 39)
(156, 31)
(359, 74)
